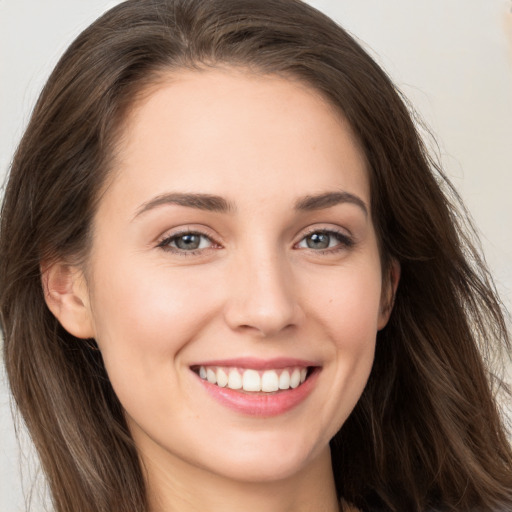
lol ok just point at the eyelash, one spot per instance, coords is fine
(345, 242)
(165, 243)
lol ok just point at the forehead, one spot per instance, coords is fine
(227, 131)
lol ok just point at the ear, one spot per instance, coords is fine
(390, 285)
(67, 296)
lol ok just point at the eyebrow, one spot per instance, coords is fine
(206, 202)
(213, 203)
(329, 199)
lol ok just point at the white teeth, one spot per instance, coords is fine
(234, 380)
(211, 376)
(222, 378)
(284, 380)
(268, 381)
(251, 381)
(295, 378)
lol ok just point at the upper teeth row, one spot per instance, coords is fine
(252, 380)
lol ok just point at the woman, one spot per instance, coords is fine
(240, 282)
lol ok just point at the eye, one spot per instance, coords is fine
(186, 242)
(325, 239)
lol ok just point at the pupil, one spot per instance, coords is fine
(318, 241)
(188, 242)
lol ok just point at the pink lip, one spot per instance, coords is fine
(260, 404)
(258, 364)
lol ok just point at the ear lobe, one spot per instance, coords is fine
(67, 296)
(388, 294)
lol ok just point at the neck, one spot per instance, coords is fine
(179, 487)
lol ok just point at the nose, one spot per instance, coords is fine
(263, 298)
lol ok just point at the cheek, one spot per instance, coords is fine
(144, 317)
(345, 309)
(349, 313)
(145, 314)
(349, 306)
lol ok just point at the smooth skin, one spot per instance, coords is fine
(256, 272)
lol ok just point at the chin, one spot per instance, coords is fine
(261, 462)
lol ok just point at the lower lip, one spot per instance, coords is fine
(262, 404)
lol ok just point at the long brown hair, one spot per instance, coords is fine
(426, 433)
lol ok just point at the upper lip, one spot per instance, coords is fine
(257, 363)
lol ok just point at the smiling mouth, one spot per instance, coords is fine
(254, 381)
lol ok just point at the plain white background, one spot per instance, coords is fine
(452, 58)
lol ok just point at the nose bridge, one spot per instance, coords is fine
(262, 294)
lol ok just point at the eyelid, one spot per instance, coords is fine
(345, 238)
(164, 240)
(322, 228)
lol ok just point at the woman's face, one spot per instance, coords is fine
(235, 247)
